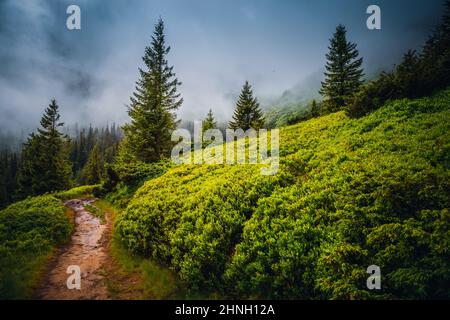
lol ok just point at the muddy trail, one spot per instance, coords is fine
(88, 249)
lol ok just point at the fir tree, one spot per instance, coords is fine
(407, 76)
(45, 165)
(209, 122)
(94, 170)
(315, 110)
(247, 113)
(435, 57)
(343, 75)
(148, 136)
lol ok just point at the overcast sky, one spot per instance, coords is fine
(216, 46)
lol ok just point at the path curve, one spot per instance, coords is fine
(87, 249)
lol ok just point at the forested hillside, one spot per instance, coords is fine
(351, 193)
(364, 180)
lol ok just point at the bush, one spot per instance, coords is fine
(29, 230)
(77, 192)
(350, 193)
(123, 179)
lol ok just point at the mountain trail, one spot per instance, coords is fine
(88, 250)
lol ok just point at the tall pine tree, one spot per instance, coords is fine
(45, 166)
(247, 113)
(148, 136)
(343, 75)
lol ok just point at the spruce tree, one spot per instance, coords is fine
(407, 76)
(3, 178)
(247, 113)
(45, 166)
(148, 136)
(343, 75)
(315, 109)
(94, 170)
(209, 122)
(435, 56)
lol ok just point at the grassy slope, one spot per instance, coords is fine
(350, 193)
(29, 231)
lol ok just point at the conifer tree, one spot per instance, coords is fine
(435, 56)
(94, 170)
(148, 136)
(247, 113)
(407, 77)
(343, 75)
(209, 122)
(315, 110)
(45, 165)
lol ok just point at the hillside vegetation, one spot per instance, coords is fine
(29, 230)
(350, 193)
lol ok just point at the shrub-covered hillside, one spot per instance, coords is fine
(350, 193)
(29, 230)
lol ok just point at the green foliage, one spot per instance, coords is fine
(247, 113)
(277, 118)
(417, 75)
(403, 82)
(9, 164)
(123, 179)
(195, 226)
(148, 136)
(79, 192)
(350, 193)
(94, 170)
(372, 95)
(45, 166)
(315, 109)
(343, 75)
(435, 56)
(104, 141)
(28, 232)
(209, 122)
(97, 212)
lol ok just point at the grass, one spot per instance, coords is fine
(30, 230)
(134, 277)
(77, 192)
(97, 212)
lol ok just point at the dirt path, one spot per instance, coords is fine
(87, 249)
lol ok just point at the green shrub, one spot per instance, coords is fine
(77, 192)
(350, 193)
(29, 230)
(125, 178)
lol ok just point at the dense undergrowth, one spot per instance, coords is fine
(350, 193)
(29, 231)
(125, 178)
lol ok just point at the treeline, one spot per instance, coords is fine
(91, 149)
(9, 163)
(156, 98)
(419, 74)
(52, 161)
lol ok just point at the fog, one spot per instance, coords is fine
(216, 46)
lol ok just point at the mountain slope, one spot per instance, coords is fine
(350, 193)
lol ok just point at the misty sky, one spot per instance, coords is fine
(216, 46)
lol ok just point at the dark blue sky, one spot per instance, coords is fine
(216, 46)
